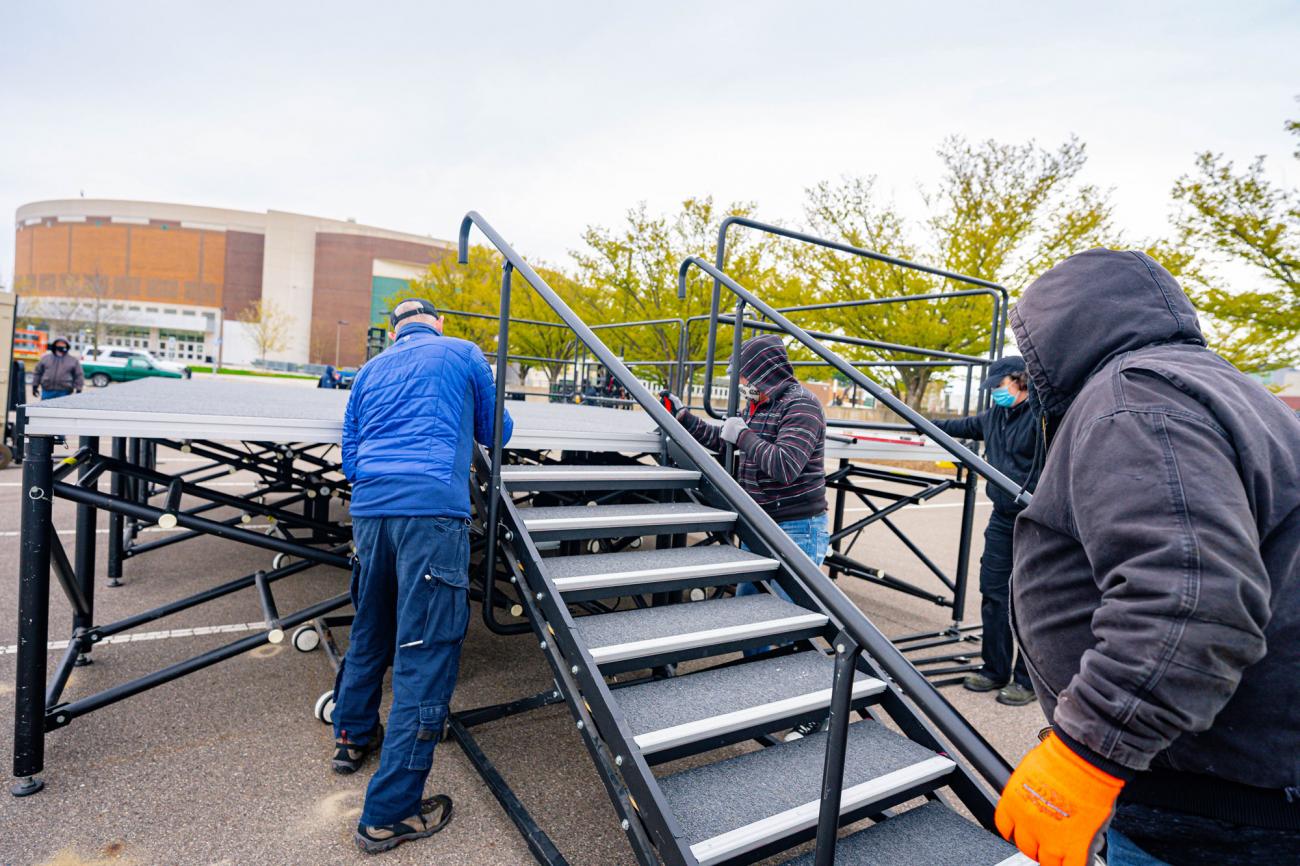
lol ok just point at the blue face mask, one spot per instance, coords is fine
(1003, 398)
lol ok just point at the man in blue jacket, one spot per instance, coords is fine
(413, 417)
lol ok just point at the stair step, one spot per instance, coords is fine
(628, 640)
(931, 834)
(604, 521)
(601, 574)
(643, 476)
(772, 795)
(669, 715)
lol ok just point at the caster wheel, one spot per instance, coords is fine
(279, 561)
(324, 710)
(306, 638)
(635, 545)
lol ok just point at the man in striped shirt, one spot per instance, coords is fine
(781, 434)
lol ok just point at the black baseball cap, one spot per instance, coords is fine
(1002, 368)
(426, 308)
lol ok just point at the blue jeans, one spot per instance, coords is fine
(50, 394)
(813, 537)
(1123, 851)
(410, 588)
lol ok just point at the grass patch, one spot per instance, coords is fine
(267, 374)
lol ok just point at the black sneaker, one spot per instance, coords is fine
(1016, 695)
(372, 840)
(980, 682)
(349, 756)
(803, 730)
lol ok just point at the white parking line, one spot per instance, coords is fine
(59, 645)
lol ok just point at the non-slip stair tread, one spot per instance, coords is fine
(624, 627)
(515, 474)
(649, 510)
(717, 798)
(928, 835)
(591, 564)
(666, 703)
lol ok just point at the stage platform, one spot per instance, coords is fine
(229, 410)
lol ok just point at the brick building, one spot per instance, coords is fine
(175, 278)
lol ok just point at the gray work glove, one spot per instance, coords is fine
(672, 403)
(731, 429)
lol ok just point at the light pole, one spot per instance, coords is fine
(337, 327)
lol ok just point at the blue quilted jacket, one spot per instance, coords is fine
(413, 416)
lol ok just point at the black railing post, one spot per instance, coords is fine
(33, 615)
(962, 578)
(116, 521)
(87, 523)
(847, 651)
(733, 380)
(498, 416)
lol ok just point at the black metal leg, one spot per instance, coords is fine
(33, 616)
(87, 523)
(116, 522)
(962, 577)
(837, 738)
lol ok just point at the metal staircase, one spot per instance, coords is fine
(891, 750)
(736, 808)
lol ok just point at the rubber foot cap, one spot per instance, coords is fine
(28, 786)
(82, 661)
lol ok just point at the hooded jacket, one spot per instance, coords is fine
(58, 373)
(783, 453)
(414, 413)
(1156, 586)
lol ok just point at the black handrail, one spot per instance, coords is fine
(964, 738)
(916, 419)
(804, 237)
(1000, 296)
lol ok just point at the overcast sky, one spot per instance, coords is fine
(547, 117)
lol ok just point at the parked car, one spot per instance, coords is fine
(100, 374)
(346, 377)
(117, 356)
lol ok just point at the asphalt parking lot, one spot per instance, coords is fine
(228, 766)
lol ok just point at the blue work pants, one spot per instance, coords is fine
(410, 588)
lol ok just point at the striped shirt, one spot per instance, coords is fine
(783, 453)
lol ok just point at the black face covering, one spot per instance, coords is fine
(59, 350)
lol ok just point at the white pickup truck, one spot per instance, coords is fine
(115, 356)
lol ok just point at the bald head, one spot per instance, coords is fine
(434, 322)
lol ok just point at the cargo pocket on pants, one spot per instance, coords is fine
(432, 717)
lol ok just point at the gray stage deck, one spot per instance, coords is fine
(232, 410)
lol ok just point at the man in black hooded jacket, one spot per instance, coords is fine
(1010, 432)
(1156, 586)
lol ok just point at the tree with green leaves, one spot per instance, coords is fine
(1239, 216)
(630, 273)
(1000, 212)
(475, 288)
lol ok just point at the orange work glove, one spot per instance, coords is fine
(1057, 806)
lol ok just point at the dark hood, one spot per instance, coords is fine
(1090, 308)
(764, 362)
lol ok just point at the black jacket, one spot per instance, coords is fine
(1156, 588)
(1009, 437)
(783, 453)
